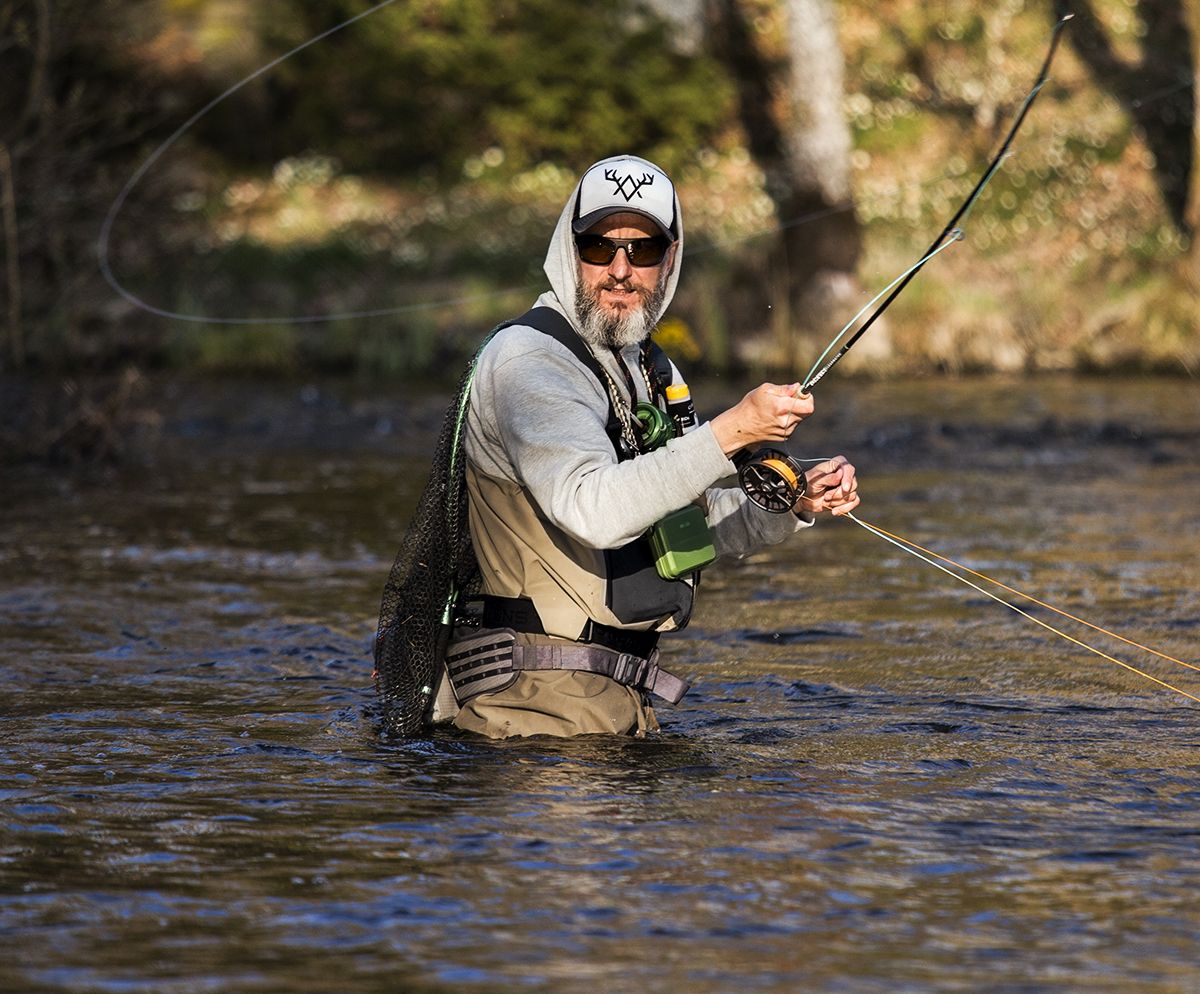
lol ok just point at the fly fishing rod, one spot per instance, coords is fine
(772, 478)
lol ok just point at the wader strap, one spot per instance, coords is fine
(489, 661)
(632, 671)
(549, 322)
(658, 368)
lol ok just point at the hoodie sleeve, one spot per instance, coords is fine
(537, 418)
(739, 527)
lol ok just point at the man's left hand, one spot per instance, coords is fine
(831, 486)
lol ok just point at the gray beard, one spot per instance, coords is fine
(605, 331)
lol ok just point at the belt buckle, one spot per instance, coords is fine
(630, 670)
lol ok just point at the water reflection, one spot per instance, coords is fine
(880, 782)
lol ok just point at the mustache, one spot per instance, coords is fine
(614, 284)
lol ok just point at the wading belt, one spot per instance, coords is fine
(490, 661)
(519, 614)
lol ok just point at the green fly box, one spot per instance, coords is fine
(682, 543)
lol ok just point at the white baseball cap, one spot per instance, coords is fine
(625, 184)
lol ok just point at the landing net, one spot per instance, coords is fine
(434, 569)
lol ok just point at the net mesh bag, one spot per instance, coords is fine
(434, 569)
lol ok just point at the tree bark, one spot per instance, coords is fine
(1192, 215)
(786, 59)
(12, 265)
(1158, 91)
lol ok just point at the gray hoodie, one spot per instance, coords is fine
(536, 424)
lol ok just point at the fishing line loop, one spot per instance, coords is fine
(105, 236)
(104, 239)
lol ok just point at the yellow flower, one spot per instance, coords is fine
(675, 338)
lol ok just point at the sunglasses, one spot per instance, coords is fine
(596, 250)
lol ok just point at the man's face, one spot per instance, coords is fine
(620, 289)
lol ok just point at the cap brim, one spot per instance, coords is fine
(581, 224)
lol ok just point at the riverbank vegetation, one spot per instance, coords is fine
(403, 175)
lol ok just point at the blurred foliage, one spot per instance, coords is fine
(73, 108)
(1074, 218)
(423, 88)
(415, 163)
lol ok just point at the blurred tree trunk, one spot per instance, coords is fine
(1193, 207)
(786, 59)
(28, 28)
(14, 331)
(73, 112)
(1158, 91)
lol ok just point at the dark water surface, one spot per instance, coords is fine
(882, 781)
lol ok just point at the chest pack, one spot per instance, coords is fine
(678, 545)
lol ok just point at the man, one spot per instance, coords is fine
(562, 494)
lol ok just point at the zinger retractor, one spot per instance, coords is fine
(773, 480)
(656, 426)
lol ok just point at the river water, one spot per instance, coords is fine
(881, 781)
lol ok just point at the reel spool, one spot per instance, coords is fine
(773, 480)
(656, 426)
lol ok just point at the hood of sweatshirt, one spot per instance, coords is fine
(562, 262)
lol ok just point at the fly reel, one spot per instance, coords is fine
(656, 427)
(772, 479)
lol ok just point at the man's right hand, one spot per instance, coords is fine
(768, 413)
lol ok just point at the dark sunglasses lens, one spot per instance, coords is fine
(647, 251)
(596, 250)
